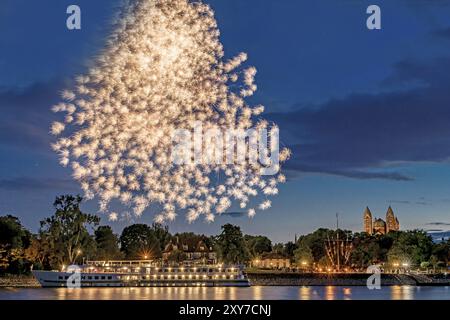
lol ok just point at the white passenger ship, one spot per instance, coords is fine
(142, 273)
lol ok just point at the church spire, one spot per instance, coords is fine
(390, 212)
(391, 224)
(367, 218)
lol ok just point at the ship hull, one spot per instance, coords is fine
(54, 279)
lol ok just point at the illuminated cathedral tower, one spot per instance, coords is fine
(392, 223)
(368, 228)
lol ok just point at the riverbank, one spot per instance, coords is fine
(19, 281)
(268, 278)
(342, 279)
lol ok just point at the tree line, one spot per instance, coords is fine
(71, 236)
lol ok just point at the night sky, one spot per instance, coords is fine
(366, 113)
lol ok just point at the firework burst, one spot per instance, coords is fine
(162, 69)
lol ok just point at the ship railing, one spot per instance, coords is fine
(154, 269)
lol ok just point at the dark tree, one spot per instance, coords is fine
(289, 249)
(66, 232)
(257, 245)
(138, 241)
(316, 242)
(107, 244)
(303, 255)
(413, 247)
(442, 252)
(278, 248)
(162, 234)
(231, 246)
(14, 240)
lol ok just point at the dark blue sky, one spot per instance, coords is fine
(367, 113)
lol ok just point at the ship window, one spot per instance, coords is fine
(90, 278)
(96, 277)
(60, 277)
(103, 278)
(109, 277)
(83, 277)
(66, 277)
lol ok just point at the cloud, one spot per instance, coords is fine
(26, 115)
(234, 214)
(24, 183)
(364, 136)
(294, 168)
(421, 203)
(438, 224)
(399, 201)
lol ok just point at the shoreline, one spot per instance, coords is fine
(19, 281)
(343, 279)
(289, 279)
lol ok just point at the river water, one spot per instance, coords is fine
(232, 293)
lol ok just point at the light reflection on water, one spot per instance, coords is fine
(230, 293)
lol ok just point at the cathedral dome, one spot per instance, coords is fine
(379, 223)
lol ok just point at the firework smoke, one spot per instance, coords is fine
(162, 69)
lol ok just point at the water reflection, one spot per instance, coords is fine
(258, 293)
(305, 293)
(403, 292)
(330, 293)
(230, 293)
(347, 293)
